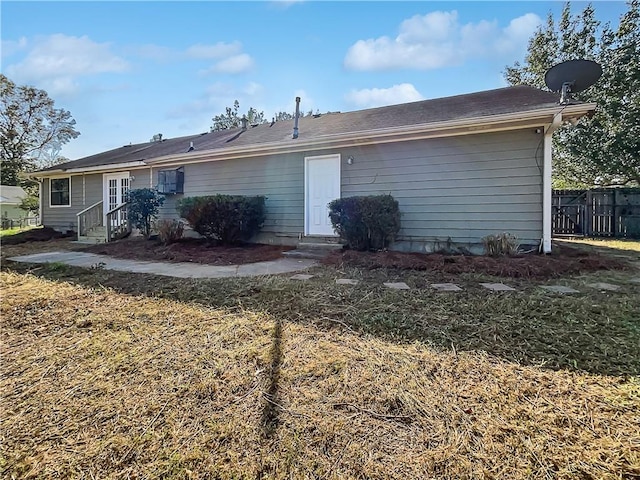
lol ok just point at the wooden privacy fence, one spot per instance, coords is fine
(602, 212)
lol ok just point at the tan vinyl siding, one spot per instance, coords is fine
(459, 187)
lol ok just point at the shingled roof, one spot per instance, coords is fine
(473, 105)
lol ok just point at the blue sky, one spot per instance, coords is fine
(128, 70)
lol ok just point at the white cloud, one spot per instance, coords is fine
(378, 97)
(253, 88)
(437, 40)
(235, 64)
(150, 51)
(218, 50)
(199, 51)
(215, 98)
(10, 47)
(55, 62)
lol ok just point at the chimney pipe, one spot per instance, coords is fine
(244, 122)
(295, 124)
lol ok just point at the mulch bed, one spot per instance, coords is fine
(564, 260)
(35, 235)
(189, 250)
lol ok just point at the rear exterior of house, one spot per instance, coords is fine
(454, 189)
(461, 168)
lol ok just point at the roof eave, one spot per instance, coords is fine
(485, 124)
(466, 126)
(93, 169)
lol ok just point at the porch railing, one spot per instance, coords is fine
(89, 218)
(117, 223)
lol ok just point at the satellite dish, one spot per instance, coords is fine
(572, 76)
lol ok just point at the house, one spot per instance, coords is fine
(10, 200)
(461, 168)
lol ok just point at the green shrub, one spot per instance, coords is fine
(366, 223)
(501, 244)
(169, 231)
(142, 208)
(227, 219)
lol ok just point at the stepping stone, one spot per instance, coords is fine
(560, 289)
(346, 281)
(446, 287)
(498, 287)
(301, 276)
(397, 285)
(604, 286)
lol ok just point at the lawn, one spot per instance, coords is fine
(610, 244)
(7, 232)
(113, 375)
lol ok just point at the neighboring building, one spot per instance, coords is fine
(460, 167)
(10, 199)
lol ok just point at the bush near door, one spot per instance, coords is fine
(366, 223)
(228, 219)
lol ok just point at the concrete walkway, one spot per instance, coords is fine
(182, 270)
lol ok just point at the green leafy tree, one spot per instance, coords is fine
(30, 204)
(231, 119)
(143, 207)
(280, 116)
(31, 130)
(604, 149)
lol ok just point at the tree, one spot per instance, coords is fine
(30, 204)
(231, 119)
(143, 207)
(280, 116)
(31, 130)
(602, 150)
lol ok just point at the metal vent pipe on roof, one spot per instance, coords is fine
(295, 121)
(244, 122)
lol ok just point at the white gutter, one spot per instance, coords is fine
(546, 181)
(96, 168)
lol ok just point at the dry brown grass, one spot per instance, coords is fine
(101, 384)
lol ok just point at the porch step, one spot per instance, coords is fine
(94, 235)
(95, 231)
(316, 249)
(90, 239)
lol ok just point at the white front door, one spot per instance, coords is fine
(115, 187)
(322, 185)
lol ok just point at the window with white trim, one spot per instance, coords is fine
(60, 192)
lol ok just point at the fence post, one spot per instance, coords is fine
(588, 213)
(617, 224)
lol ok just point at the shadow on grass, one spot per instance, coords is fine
(271, 411)
(596, 332)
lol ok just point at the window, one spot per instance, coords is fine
(60, 192)
(171, 181)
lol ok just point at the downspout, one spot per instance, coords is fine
(546, 182)
(40, 212)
